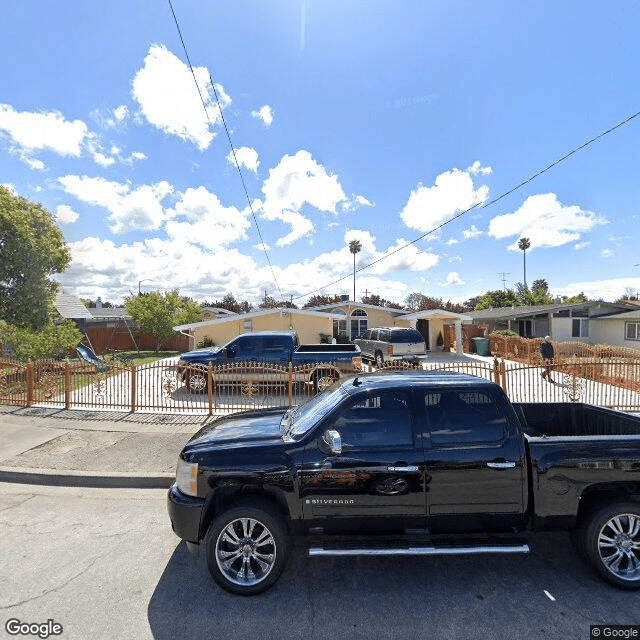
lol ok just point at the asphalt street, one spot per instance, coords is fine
(104, 563)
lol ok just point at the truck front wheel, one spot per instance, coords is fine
(611, 541)
(247, 548)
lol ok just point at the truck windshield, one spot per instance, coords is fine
(298, 420)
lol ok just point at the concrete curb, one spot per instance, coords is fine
(94, 479)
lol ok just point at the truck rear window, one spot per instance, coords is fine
(410, 335)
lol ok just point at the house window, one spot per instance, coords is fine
(359, 323)
(339, 325)
(632, 330)
(580, 328)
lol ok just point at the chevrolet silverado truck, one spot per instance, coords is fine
(409, 463)
(270, 347)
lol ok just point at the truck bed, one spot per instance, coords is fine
(562, 419)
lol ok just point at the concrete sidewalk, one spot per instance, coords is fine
(92, 448)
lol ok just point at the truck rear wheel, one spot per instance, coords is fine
(196, 380)
(247, 548)
(323, 380)
(611, 541)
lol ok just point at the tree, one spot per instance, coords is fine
(374, 298)
(417, 301)
(523, 245)
(157, 313)
(317, 300)
(498, 298)
(51, 341)
(32, 250)
(537, 295)
(354, 247)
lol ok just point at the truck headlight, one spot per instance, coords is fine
(187, 477)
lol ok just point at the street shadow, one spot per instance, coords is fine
(392, 597)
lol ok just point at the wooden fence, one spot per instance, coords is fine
(608, 382)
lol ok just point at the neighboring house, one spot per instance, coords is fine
(213, 313)
(71, 308)
(621, 329)
(311, 326)
(563, 322)
(353, 319)
(343, 320)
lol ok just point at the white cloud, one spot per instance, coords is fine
(471, 233)
(453, 259)
(201, 219)
(608, 253)
(40, 131)
(451, 241)
(33, 163)
(453, 279)
(164, 89)
(581, 245)
(10, 188)
(452, 193)
(476, 169)
(65, 214)
(545, 221)
(298, 180)
(264, 113)
(129, 209)
(121, 113)
(103, 160)
(246, 157)
(355, 203)
(609, 290)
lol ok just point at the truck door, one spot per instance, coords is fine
(475, 462)
(378, 475)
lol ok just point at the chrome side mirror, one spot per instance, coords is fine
(333, 440)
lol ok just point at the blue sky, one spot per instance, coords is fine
(376, 121)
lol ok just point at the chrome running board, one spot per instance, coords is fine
(419, 550)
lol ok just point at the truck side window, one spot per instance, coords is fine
(382, 419)
(273, 345)
(463, 417)
(243, 348)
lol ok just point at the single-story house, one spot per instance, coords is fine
(342, 320)
(311, 326)
(620, 330)
(563, 322)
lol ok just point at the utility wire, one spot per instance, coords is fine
(484, 206)
(233, 151)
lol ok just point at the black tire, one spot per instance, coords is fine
(379, 360)
(247, 548)
(611, 541)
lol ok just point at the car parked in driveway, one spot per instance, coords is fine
(387, 344)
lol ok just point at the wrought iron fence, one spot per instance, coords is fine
(610, 382)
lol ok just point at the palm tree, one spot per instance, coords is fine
(354, 247)
(523, 245)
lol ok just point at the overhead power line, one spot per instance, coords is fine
(484, 206)
(233, 150)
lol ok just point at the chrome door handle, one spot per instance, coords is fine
(408, 469)
(501, 465)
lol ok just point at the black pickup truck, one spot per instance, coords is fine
(409, 462)
(328, 362)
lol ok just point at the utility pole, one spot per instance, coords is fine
(504, 275)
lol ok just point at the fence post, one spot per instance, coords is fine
(30, 384)
(210, 388)
(290, 384)
(496, 370)
(503, 376)
(67, 385)
(133, 388)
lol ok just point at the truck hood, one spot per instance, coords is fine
(250, 429)
(200, 355)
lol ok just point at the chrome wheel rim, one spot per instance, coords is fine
(619, 546)
(324, 383)
(245, 552)
(197, 383)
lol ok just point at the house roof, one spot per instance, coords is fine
(437, 314)
(105, 313)
(252, 314)
(629, 315)
(71, 307)
(356, 305)
(543, 309)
